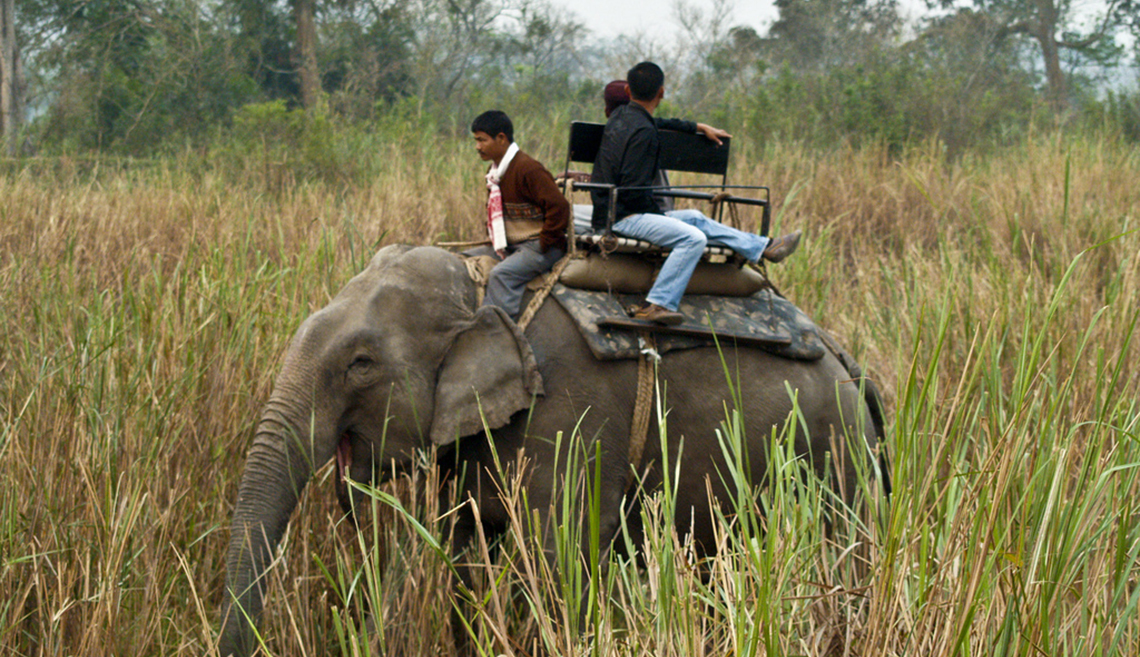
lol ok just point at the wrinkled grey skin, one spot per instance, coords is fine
(403, 351)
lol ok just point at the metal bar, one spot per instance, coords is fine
(612, 211)
(766, 216)
(592, 186)
(702, 196)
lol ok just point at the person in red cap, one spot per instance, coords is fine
(614, 95)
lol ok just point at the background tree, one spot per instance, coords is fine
(99, 56)
(304, 15)
(691, 76)
(140, 76)
(540, 43)
(264, 33)
(739, 58)
(1056, 26)
(284, 44)
(11, 79)
(965, 82)
(468, 53)
(817, 35)
(125, 74)
(364, 55)
(452, 39)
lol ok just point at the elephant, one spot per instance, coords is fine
(403, 359)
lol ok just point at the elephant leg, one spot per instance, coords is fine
(607, 532)
(463, 613)
(588, 525)
(474, 533)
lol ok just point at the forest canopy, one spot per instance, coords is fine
(137, 77)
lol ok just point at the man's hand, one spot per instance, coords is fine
(711, 133)
(576, 176)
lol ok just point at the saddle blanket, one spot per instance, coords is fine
(763, 314)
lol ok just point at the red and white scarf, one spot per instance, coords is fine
(495, 228)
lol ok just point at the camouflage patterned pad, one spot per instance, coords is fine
(761, 314)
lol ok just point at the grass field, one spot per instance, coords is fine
(144, 309)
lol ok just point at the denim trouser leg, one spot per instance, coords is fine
(749, 245)
(686, 243)
(508, 279)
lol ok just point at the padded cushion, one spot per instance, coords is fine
(627, 274)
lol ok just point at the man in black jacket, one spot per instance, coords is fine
(616, 94)
(627, 157)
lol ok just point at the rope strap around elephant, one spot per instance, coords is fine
(549, 279)
(478, 270)
(646, 363)
(643, 406)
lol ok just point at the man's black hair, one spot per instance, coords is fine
(494, 122)
(644, 80)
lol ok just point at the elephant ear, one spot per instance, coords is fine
(488, 375)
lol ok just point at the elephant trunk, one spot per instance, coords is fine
(278, 467)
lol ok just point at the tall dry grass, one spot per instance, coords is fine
(143, 312)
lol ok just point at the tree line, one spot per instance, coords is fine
(136, 76)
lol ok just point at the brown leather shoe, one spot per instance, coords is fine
(652, 312)
(782, 247)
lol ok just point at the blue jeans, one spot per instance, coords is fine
(685, 233)
(508, 279)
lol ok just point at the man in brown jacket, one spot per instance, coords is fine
(527, 214)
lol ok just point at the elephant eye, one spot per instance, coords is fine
(361, 371)
(361, 362)
(361, 366)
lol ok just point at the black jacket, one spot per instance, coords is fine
(627, 157)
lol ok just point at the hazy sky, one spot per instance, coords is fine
(609, 18)
(655, 18)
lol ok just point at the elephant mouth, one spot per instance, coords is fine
(343, 468)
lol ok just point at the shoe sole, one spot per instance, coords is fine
(663, 321)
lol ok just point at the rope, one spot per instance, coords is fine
(643, 406)
(609, 244)
(734, 217)
(571, 237)
(568, 189)
(646, 363)
(479, 276)
(550, 278)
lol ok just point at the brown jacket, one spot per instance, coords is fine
(533, 206)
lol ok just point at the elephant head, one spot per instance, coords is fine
(401, 359)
